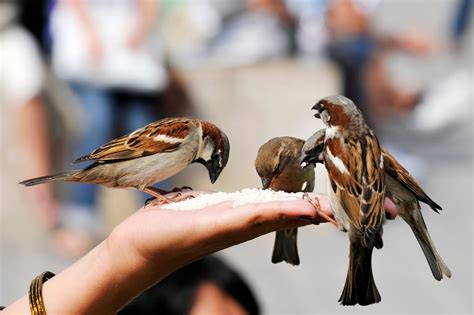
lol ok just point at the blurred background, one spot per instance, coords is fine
(76, 74)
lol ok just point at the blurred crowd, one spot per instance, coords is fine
(78, 73)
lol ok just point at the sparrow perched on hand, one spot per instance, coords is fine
(405, 193)
(278, 165)
(354, 162)
(151, 154)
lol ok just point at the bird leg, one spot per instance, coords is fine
(164, 192)
(315, 203)
(159, 199)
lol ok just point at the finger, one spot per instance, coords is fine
(390, 209)
(249, 221)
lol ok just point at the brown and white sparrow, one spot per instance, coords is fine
(278, 165)
(403, 190)
(151, 154)
(354, 162)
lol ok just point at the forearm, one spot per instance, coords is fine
(92, 285)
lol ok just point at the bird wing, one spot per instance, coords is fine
(393, 168)
(164, 135)
(358, 181)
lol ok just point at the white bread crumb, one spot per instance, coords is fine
(240, 198)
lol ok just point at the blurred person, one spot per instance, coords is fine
(154, 242)
(112, 58)
(206, 286)
(22, 93)
(254, 31)
(357, 50)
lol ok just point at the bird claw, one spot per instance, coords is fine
(180, 189)
(182, 198)
(154, 201)
(317, 206)
(149, 201)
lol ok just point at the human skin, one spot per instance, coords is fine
(154, 242)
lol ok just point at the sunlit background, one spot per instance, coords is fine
(75, 74)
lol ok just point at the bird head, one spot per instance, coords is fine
(214, 152)
(312, 149)
(338, 111)
(277, 164)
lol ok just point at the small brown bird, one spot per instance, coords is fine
(405, 193)
(354, 162)
(278, 165)
(151, 154)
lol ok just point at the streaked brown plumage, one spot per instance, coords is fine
(278, 165)
(151, 154)
(354, 162)
(404, 191)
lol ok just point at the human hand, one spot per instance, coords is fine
(173, 238)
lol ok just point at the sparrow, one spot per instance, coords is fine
(356, 187)
(403, 190)
(151, 154)
(278, 165)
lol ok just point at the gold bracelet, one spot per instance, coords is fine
(35, 295)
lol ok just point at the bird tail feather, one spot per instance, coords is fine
(436, 263)
(66, 176)
(286, 248)
(360, 286)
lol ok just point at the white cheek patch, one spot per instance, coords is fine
(381, 161)
(337, 162)
(167, 139)
(206, 153)
(304, 185)
(331, 132)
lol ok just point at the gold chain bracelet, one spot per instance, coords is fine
(35, 294)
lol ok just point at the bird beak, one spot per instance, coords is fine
(309, 158)
(317, 107)
(305, 160)
(266, 182)
(214, 170)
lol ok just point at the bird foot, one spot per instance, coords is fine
(180, 189)
(315, 203)
(155, 201)
(174, 190)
